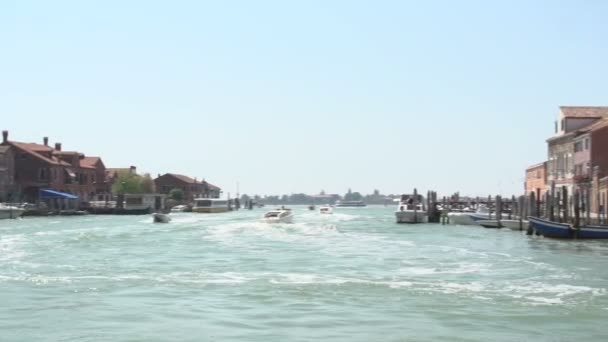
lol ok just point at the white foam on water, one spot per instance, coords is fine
(11, 247)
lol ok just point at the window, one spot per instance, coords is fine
(555, 126)
(578, 146)
(563, 123)
(43, 174)
(587, 144)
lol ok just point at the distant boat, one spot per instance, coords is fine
(408, 211)
(326, 210)
(161, 218)
(179, 208)
(353, 204)
(210, 205)
(10, 212)
(282, 215)
(566, 231)
(311, 207)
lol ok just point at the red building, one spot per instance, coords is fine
(40, 166)
(191, 187)
(536, 178)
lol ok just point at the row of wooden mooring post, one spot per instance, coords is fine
(555, 205)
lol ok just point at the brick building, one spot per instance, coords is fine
(191, 187)
(571, 121)
(536, 178)
(7, 174)
(40, 166)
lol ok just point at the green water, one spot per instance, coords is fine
(351, 276)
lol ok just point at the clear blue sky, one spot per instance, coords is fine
(299, 96)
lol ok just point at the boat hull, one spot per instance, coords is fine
(565, 231)
(411, 217)
(467, 219)
(10, 213)
(161, 218)
(287, 219)
(511, 224)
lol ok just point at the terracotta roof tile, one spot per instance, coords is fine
(584, 112)
(183, 178)
(89, 161)
(35, 151)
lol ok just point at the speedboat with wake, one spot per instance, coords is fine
(327, 210)
(282, 215)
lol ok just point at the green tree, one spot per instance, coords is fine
(127, 183)
(147, 184)
(176, 194)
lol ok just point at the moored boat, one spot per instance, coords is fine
(410, 210)
(210, 205)
(10, 212)
(511, 224)
(551, 229)
(282, 215)
(468, 218)
(179, 208)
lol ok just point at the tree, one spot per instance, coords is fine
(176, 194)
(127, 183)
(147, 184)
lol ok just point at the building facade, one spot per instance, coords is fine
(40, 166)
(190, 186)
(567, 156)
(7, 174)
(536, 178)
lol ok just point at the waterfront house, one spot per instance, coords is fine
(190, 186)
(570, 121)
(536, 178)
(40, 166)
(7, 173)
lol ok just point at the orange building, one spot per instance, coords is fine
(536, 178)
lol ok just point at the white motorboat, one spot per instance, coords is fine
(410, 211)
(161, 218)
(10, 212)
(282, 215)
(467, 218)
(179, 208)
(326, 210)
(511, 224)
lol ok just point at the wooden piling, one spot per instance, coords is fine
(552, 202)
(498, 209)
(576, 197)
(532, 204)
(520, 213)
(564, 204)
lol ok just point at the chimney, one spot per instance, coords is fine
(46, 141)
(58, 146)
(4, 136)
(132, 169)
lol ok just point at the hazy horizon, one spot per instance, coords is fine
(299, 97)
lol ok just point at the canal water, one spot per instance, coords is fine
(351, 276)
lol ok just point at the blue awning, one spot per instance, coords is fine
(48, 193)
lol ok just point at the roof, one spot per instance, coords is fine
(35, 150)
(189, 180)
(182, 178)
(536, 166)
(584, 112)
(597, 126)
(89, 162)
